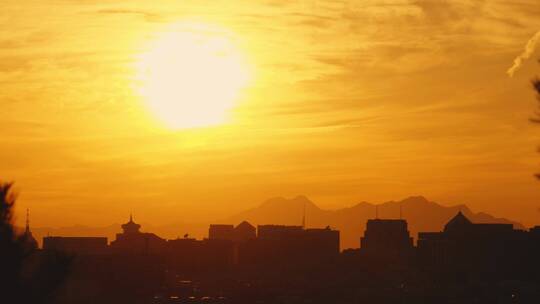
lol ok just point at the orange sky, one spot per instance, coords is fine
(348, 101)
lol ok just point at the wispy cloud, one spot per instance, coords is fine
(529, 50)
(148, 16)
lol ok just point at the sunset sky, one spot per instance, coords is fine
(342, 101)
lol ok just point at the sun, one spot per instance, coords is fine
(192, 75)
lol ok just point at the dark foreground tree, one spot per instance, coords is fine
(536, 119)
(26, 275)
(536, 87)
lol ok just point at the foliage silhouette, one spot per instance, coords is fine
(26, 275)
(536, 86)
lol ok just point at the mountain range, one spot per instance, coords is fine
(421, 214)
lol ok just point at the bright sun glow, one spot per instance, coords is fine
(192, 75)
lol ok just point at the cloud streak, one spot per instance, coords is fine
(148, 16)
(529, 50)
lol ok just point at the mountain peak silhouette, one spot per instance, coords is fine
(296, 202)
(418, 199)
(421, 214)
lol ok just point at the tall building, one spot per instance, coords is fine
(279, 232)
(386, 239)
(241, 233)
(469, 247)
(244, 232)
(190, 255)
(133, 241)
(321, 242)
(290, 246)
(221, 232)
(219, 235)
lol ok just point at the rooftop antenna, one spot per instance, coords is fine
(400, 211)
(27, 220)
(304, 217)
(376, 211)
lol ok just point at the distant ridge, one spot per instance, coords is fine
(421, 214)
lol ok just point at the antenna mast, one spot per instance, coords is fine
(27, 220)
(304, 217)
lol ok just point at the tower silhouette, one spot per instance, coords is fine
(28, 239)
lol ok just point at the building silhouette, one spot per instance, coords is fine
(189, 255)
(133, 241)
(475, 249)
(321, 242)
(279, 232)
(241, 233)
(221, 232)
(228, 239)
(286, 246)
(244, 232)
(387, 239)
(76, 245)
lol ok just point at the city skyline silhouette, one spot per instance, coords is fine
(424, 215)
(185, 269)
